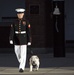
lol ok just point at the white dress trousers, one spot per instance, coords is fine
(21, 53)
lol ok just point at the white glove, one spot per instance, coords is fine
(11, 42)
(29, 43)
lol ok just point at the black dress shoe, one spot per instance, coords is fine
(21, 70)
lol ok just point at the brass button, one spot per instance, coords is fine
(19, 23)
(19, 29)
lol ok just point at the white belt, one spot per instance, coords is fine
(22, 32)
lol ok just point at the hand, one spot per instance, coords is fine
(29, 43)
(11, 42)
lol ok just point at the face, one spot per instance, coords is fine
(20, 15)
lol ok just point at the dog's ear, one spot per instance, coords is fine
(37, 57)
(30, 61)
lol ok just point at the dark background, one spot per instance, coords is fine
(40, 15)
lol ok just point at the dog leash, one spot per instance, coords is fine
(31, 52)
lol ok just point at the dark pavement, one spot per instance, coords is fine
(48, 65)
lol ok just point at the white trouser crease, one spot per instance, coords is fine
(20, 51)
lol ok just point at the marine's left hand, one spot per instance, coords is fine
(29, 43)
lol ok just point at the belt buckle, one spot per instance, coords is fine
(19, 32)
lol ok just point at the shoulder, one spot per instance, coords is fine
(16, 21)
(13, 23)
(27, 21)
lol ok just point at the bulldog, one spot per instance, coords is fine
(34, 63)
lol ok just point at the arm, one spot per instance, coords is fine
(11, 34)
(29, 34)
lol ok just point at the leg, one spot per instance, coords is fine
(31, 67)
(23, 56)
(17, 52)
(37, 67)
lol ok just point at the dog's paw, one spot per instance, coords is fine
(36, 70)
(30, 71)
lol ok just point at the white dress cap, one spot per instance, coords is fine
(20, 10)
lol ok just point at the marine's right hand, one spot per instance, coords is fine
(11, 42)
